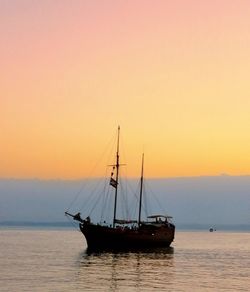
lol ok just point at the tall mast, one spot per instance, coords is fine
(117, 174)
(141, 191)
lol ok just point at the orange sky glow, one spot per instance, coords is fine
(173, 74)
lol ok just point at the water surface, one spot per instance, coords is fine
(57, 260)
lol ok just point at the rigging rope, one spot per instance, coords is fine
(91, 172)
(156, 199)
(74, 224)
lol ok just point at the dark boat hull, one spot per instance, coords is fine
(147, 236)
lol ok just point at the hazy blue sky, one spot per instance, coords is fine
(203, 200)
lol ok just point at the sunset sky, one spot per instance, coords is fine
(175, 75)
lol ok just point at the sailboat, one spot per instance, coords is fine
(157, 231)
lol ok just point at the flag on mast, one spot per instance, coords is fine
(113, 182)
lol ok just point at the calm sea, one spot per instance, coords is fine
(56, 260)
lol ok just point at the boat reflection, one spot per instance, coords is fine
(122, 250)
(131, 269)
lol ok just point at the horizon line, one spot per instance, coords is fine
(131, 178)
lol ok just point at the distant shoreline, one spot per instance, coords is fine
(68, 225)
(36, 225)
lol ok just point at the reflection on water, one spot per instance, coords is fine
(156, 251)
(135, 270)
(50, 260)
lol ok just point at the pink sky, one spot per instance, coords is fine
(174, 74)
